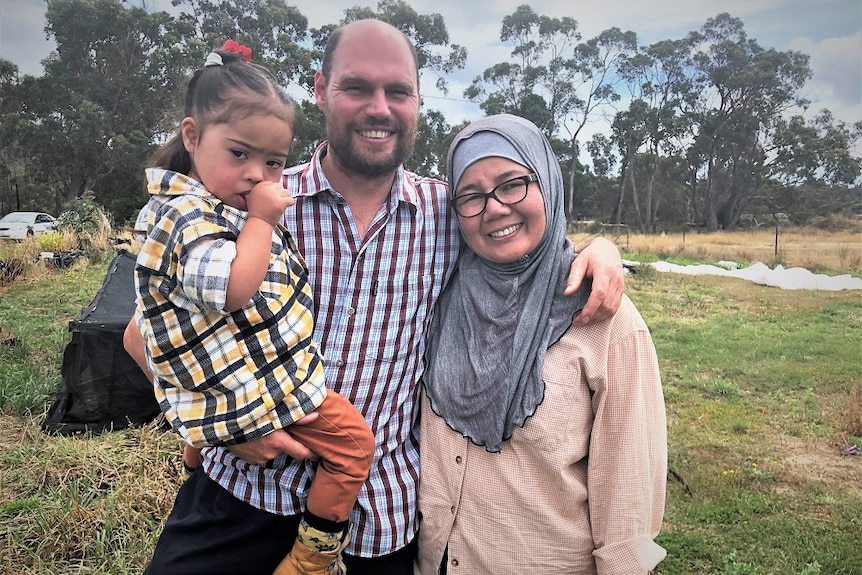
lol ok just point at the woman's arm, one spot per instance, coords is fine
(627, 472)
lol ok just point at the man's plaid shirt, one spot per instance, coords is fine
(221, 378)
(373, 298)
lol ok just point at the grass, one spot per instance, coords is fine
(759, 384)
(762, 387)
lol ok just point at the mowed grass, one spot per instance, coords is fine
(760, 384)
(762, 389)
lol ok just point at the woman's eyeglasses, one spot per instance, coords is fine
(508, 193)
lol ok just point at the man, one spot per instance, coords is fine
(380, 244)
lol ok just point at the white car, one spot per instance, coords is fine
(21, 225)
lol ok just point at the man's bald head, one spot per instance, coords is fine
(360, 29)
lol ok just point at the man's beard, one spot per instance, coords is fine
(344, 154)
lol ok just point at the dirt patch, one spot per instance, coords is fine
(813, 461)
(13, 433)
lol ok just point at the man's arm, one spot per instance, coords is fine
(599, 259)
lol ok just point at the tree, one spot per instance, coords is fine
(745, 90)
(555, 82)
(531, 86)
(86, 124)
(809, 161)
(593, 73)
(659, 77)
(630, 132)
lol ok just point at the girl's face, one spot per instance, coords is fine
(230, 158)
(502, 233)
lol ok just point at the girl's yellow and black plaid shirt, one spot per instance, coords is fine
(221, 378)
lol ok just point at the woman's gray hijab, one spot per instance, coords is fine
(494, 322)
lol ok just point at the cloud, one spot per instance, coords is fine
(827, 30)
(22, 35)
(837, 79)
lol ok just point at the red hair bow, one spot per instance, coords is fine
(233, 46)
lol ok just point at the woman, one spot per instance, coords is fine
(543, 445)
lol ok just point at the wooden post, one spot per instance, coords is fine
(776, 240)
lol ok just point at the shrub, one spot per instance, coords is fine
(83, 215)
(89, 222)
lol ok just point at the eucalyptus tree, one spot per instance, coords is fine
(630, 131)
(531, 84)
(744, 91)
(86, 123)
(554, 79)
(593, 75)
(13, 169)
(812, 164)
(820, 149)
(659, 77)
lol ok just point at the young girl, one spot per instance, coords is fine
(224, 305)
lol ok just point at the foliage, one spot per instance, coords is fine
(51, 242)
(83, 215)
(709, 129)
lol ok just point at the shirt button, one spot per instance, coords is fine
(339, 363)
(454, 562)
(452, 510)
(350, 311)
(458, 460)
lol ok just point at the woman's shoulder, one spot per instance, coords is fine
(626, 321)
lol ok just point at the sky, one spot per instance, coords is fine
(829, 31)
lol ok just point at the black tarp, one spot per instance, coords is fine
(101, 387)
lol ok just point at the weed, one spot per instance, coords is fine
(721, 388)
(812, 568)
(852, 416)
(51, 242)
(740, 426)
(645, 273)
(732, 566)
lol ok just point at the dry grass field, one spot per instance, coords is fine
(817, 250)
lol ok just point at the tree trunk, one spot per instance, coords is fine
(623, 179)
(709, 201)
(569, 203)
(649, 208)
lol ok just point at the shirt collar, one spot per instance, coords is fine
(168, 183)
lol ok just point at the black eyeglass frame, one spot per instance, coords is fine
(526, 178)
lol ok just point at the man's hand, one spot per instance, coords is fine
(276, 443)
(600, 259)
